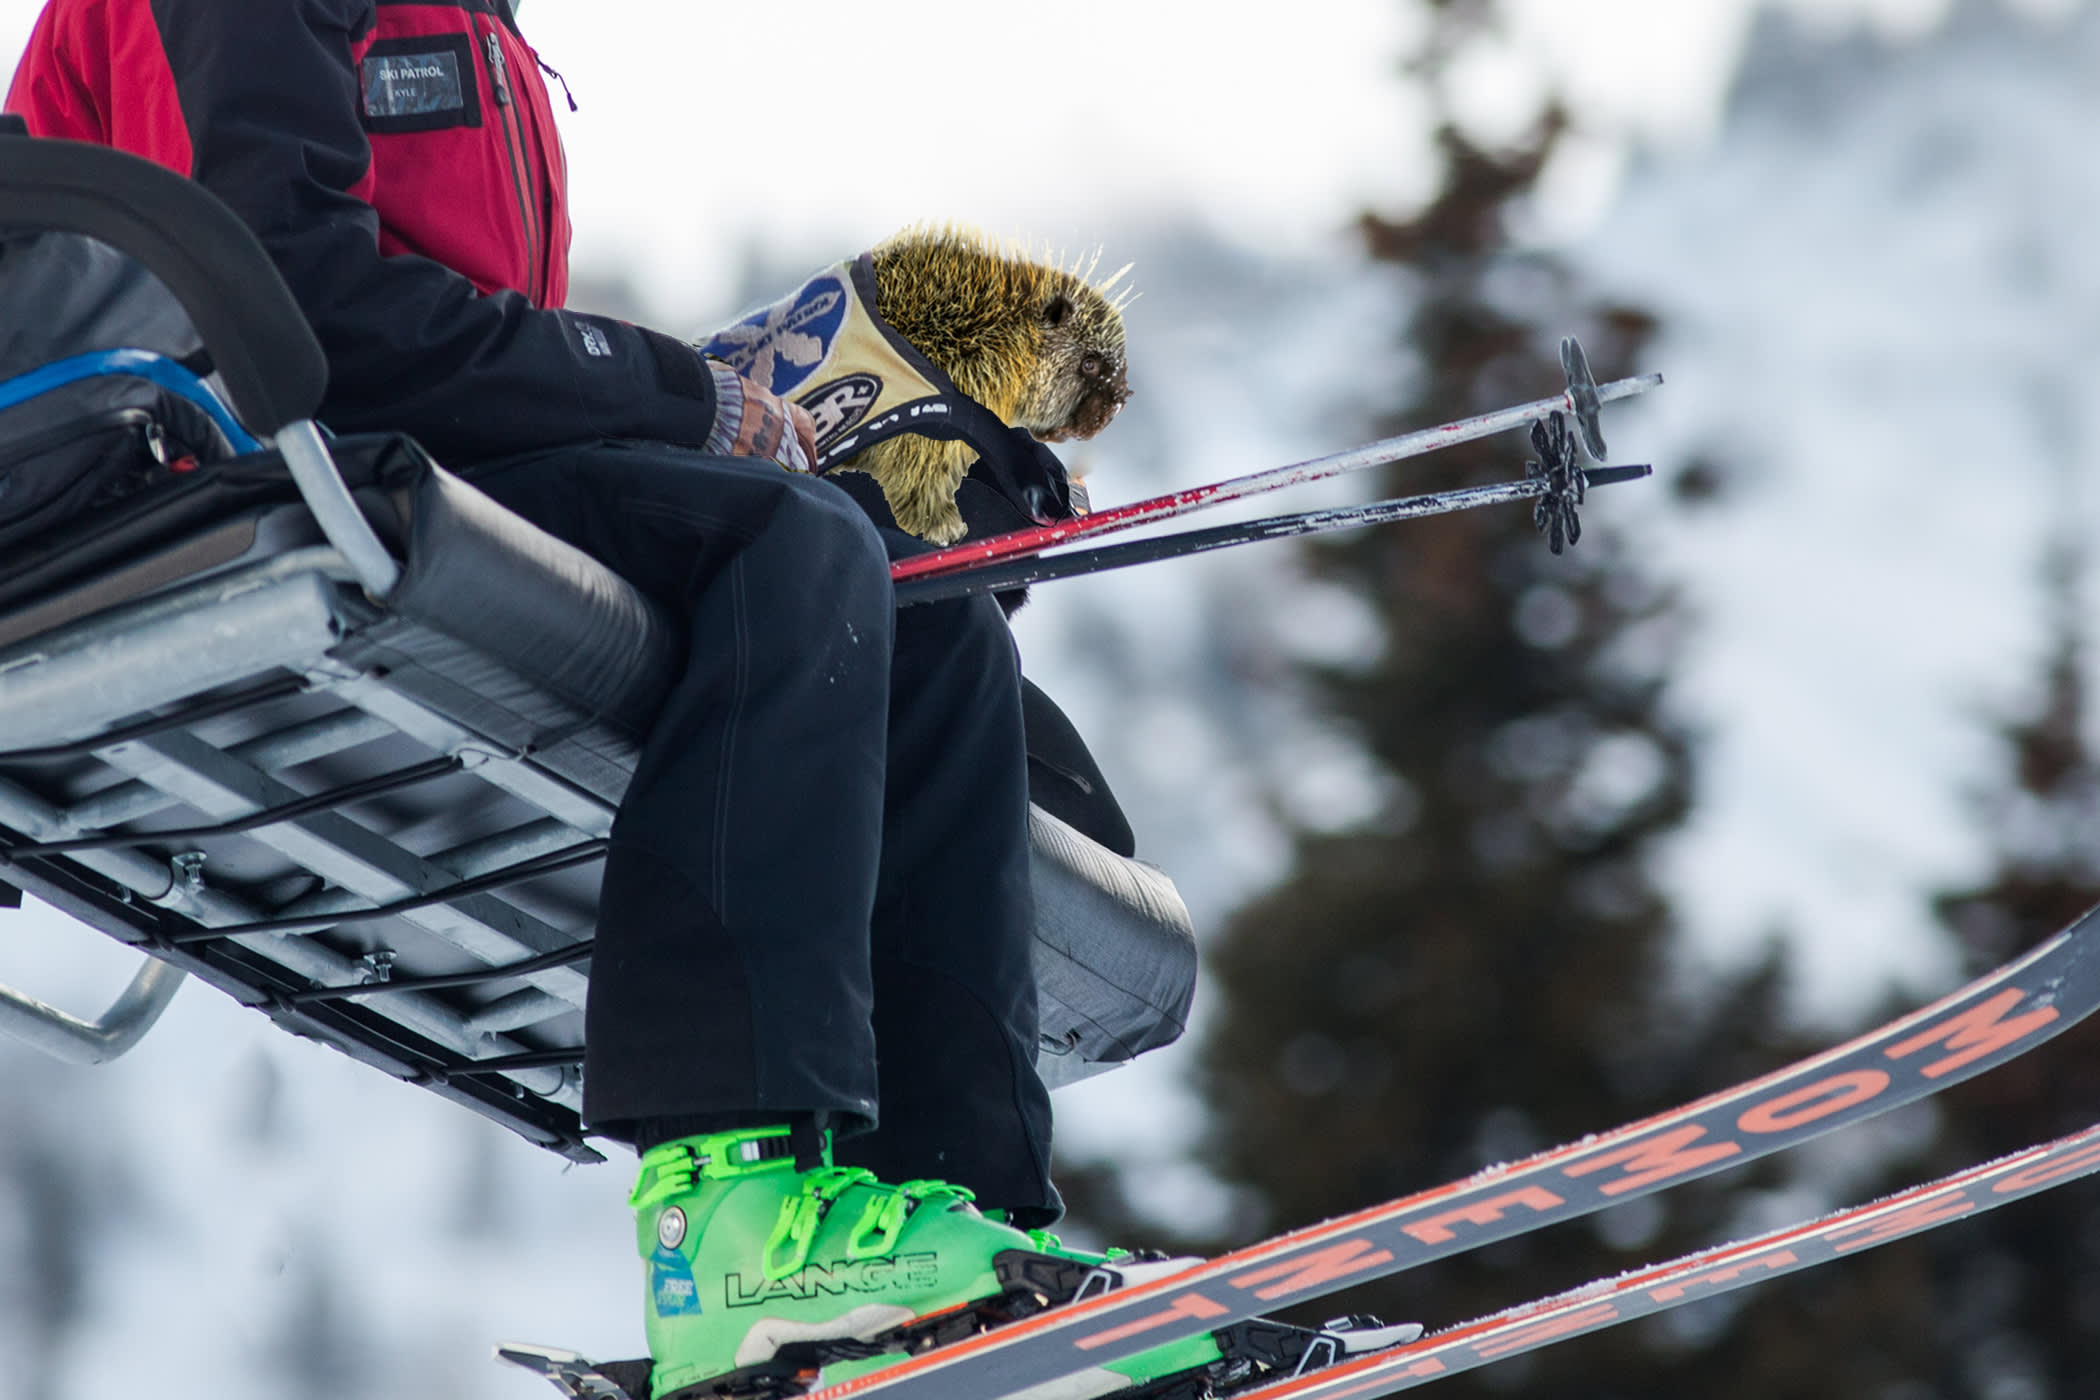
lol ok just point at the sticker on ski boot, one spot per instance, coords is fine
(671, 1284)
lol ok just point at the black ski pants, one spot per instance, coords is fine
(817, 898)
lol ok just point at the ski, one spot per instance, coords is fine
(1580, 399)
(1609, 1302)
(1994, 1019)
(1040, 568)
(1249, 1354)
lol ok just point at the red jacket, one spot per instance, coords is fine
(400, 161)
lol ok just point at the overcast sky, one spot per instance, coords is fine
(819, 127)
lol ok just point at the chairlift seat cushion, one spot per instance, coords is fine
(530, 643)
(495, 624)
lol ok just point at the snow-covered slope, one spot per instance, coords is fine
(1881, 304)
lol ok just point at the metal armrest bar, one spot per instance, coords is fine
(531, 1059)
(319, 802)
(313, 470)
(560, 957)
(96, 1042)
(160, 724)
(495, 880)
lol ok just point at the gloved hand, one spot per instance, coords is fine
(1030, 476)
(1017, 484)
(753, 422)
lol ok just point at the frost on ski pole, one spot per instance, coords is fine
(1582, 394)
(1555, 516)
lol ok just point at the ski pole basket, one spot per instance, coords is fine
(316, 722)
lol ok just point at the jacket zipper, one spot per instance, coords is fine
(514, 150)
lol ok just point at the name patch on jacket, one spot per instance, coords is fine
(420, 83)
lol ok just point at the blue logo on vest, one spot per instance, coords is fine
(779, 347)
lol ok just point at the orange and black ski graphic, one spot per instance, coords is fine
(1992, 1020)
(1609, 1302)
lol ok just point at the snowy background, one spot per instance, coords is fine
(1867, 229)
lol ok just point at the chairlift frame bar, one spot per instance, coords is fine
(367, 1036)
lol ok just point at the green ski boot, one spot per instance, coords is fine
(762, 1275)
(766, 1279)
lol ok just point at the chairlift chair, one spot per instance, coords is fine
(314, 721)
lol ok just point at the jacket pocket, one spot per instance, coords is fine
(423, 82)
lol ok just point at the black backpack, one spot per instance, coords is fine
(102, 388)
(105, 385)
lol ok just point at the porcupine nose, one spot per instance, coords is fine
(1107, 388)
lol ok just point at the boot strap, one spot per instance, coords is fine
(787, 1248)
(671, 1168)
(882, 1219)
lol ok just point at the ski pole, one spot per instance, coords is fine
(1581, 398)
(1013, 573)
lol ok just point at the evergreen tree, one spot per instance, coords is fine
(2005, 1306)
(56, 1218)
(1484, 969)
(2009, 1304)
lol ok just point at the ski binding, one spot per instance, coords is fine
(576, 1377)
(1255, 1351)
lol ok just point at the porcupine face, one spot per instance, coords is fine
(1033, 341)
(1082, 378)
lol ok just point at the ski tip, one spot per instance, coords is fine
(1358, 1335)
(541, 1361)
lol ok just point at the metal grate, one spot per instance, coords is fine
(337, 855)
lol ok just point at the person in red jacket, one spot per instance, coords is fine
(822, 861)
(401, 165)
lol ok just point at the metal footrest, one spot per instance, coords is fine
(101, 1040)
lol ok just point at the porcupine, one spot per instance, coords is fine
(1036, 343)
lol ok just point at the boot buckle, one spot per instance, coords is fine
(787, 1248)
(793, 1230)
(880, 1223)
(669, 1171)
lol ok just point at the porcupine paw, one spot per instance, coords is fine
(932, 518)
(919, 479)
